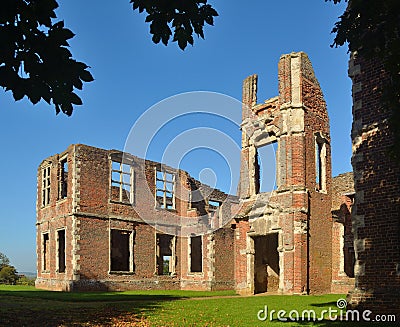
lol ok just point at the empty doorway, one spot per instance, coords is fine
(266, 263)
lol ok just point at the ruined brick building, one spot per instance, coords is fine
(90, 235)
(109, 220)
(284, 238)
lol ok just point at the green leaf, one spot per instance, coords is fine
(75, 99)
(78, 83)
(18, 94)
(86, 76)
(149, 18)
(156, 38)
(182, 43)
(67, 33)
(162, 15)
(67, 108)
(34, 98)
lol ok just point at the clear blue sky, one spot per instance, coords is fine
(132, 74)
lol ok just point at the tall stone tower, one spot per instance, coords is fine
(284, 236)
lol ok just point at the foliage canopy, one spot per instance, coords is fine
(186, 17)
(372, 29)
(4, 261)
(8, 274)
(34, 59)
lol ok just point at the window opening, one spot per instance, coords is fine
(265, 166)
(165, 189)
(46, 186)
(213, 205)
(196, 254)
(61, 250)
(121, 254)
(320, 162)
(46, 258)
(214, 213)
(165, 254)
(63, 179)
(122, 181)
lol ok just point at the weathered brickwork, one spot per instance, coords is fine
(111, 221)
(297, 214)
(343, 257)
(108, 245)
(376, 213)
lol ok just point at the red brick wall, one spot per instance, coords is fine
(376, 213)
(342, 236)
(224, 259)
(320, 235)
(56, 280)
(50, 218)
(301, 149)
(88, 214)
(93, 248)
(242, 227)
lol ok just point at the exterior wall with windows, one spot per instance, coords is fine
(91, 232)
(54, 222)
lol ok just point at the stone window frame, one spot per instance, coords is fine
(213, 208)
(166, 192)
(190, 272)
(122, 159)
(264, 139)
(189, 202)
(132, 267)
(320, 144)
(46, 184)
(45, 251)
(215, 212)
(172, 262)
(62, 178)
(57, 237)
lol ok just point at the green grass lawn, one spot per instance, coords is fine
(26, 306)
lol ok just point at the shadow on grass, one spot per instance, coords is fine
(330, 323)
(90, 296)
(325, 304)
(46, 308)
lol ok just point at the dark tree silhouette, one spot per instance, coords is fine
(186, 17)
(35, 61)
(372, 29)
(34, 58)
